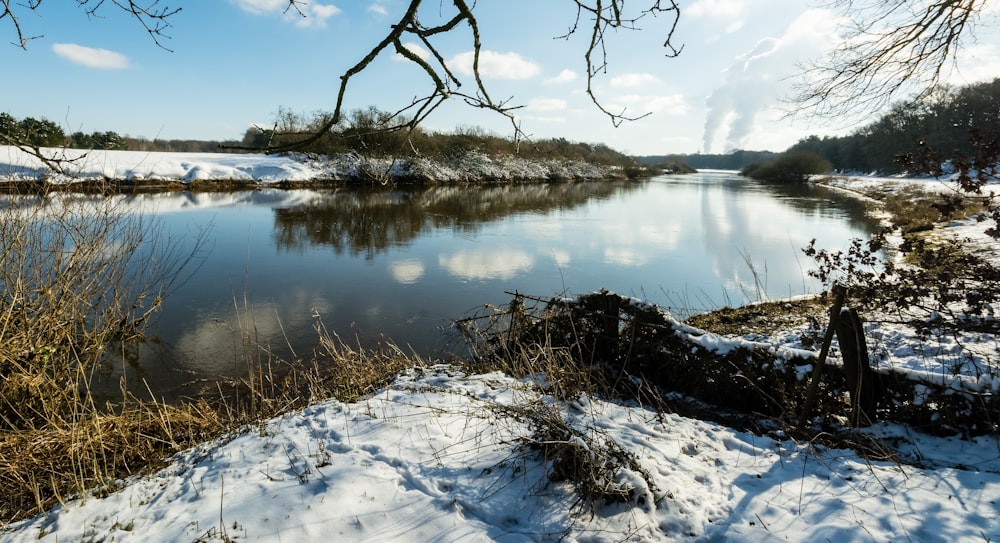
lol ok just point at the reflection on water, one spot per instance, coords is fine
(370, 222)
(404, 263)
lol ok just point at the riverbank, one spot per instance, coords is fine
(139, 170)
(904, 202)
(447, 453)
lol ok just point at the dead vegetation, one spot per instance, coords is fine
(623, 348)
(761, 319)
(81, 448)
(79, 279)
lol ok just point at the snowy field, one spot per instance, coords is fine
(436, 457)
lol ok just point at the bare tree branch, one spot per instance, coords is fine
(8, 13)
(597, 15)
(149, 13)
(889, 47)
(153, 17)
(54, 161)
(601, 15)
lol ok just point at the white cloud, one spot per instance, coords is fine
(496, 65)
(673, 104)
(261, 6)
(716, 8)
(322, 11)
(102, 59)
(315, 15)
(565, 76)
(503, 264)
(549, 119)
(625, 256)
(547, 104)
(414, 48)
(633, 80)
(979, 62)
(311, 14)
(378, 9)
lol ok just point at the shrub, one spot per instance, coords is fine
(792, 167)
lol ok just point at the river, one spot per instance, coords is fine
(404, 264)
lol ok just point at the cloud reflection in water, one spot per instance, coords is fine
(503, 264)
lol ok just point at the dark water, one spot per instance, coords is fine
(406, 263)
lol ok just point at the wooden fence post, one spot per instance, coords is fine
(861, 378)
(839, 292)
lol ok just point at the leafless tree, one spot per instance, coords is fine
(888, 48)
(595, 17)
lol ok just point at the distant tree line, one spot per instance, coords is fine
(183, 145)
(45, 133)
(942, 120)
(32, 131)
(371, 132)
(789, 167)
(736, 160)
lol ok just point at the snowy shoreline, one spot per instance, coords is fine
(435, 456)
(429, 458)
(184, 170)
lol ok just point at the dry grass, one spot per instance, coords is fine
(83, 449)
(763, 318)
(916, 210)
(525, 342)
(89, 452)
(79, 277)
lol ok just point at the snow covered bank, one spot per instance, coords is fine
(432, 459)
(969, 229)
(138, 167)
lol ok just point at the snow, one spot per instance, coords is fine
(142, 166)
(969, 229)
(437, 455)
(432, 458)
(80, 165)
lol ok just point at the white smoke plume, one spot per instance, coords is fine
(757, 80)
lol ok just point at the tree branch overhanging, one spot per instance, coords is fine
(888, 48)
(600, 15)
(151, 14)
(606, 17)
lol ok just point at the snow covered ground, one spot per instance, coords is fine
(432, 458)
(142, 166)
(968, 229)
(436, 456)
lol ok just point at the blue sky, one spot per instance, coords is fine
(235, 62)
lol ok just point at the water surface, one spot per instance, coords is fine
(405, 263)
